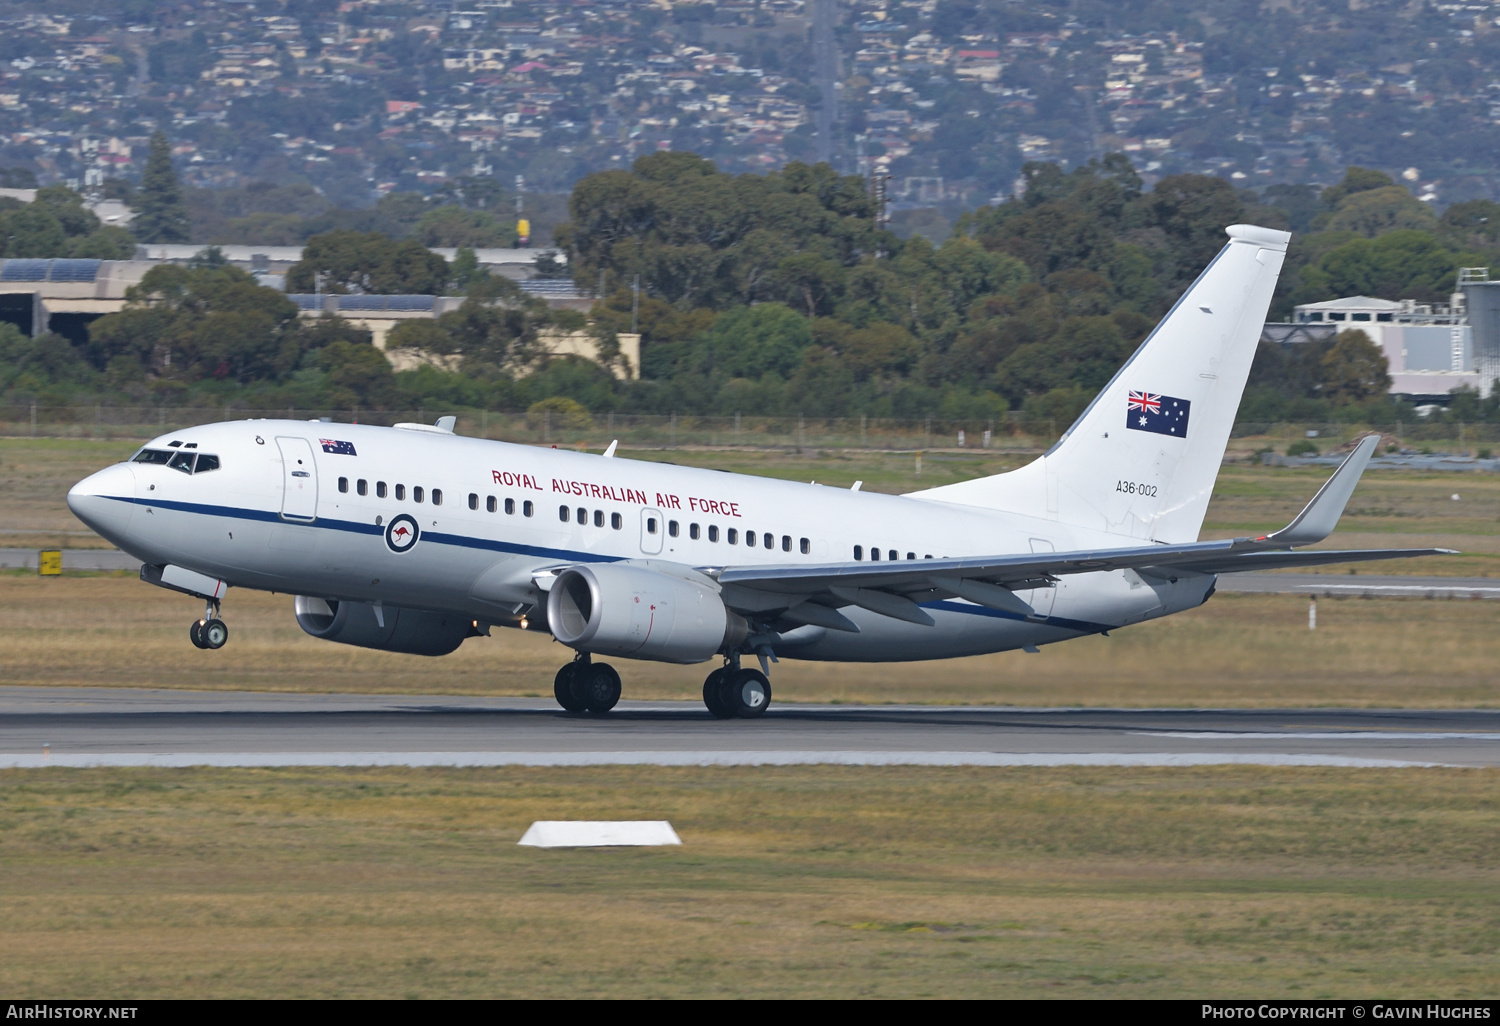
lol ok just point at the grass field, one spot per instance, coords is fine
(792, 881)
(1238, 650)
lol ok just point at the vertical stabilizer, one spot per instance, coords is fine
(1142, 460)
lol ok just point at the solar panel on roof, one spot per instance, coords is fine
(74, 270)
(24, 270)
(409, 302)
(362, 302)
(306, 300)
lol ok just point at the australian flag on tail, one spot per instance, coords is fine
(337, 448)
(1159, 414)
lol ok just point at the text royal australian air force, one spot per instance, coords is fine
(619, 493)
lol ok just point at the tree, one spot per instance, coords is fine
(1356, 180)
(198, 322)
(751, 341)
(455, 226)
(160, 214)
(350, 262)
(1354, 368)
(1373, 212)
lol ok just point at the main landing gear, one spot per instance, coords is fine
(731, 691)
(209, 631)
(586, 686)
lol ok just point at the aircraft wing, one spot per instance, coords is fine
(894, 588)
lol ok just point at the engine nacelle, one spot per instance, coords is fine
(413, 631)
(637, 613)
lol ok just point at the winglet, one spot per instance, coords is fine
(1321, 516)
(609, 453)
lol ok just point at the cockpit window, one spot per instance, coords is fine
(183, 461)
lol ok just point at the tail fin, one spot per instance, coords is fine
(1142, 460)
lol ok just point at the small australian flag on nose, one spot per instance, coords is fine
(338, 448)
(1159, 414)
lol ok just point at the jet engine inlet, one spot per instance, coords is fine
(636, 613)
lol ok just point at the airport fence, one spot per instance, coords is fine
(1013, 432)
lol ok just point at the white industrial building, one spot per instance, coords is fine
(1430, 347)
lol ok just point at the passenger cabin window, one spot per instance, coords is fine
(750, 538)
(806, 547)
(416, 494)
(650, 525)
(911, 555)
(598, 518)
(859, 552)
(732, 536)
(490, 507)
(672, 528)
(616, 521)
(510, 506)
(770, 540)
(694, 531)
(474, 502)
(583, 515)
(713, 532)
(343, 484)
(563, 514)
(401, 491)
(874, 553)
(437, 496)
(786, 543)
(379, 489)
(362, 486)
(527, 509)
(892, 555)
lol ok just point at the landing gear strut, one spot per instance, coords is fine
(731, 692)
(209, 631)
(586, 686)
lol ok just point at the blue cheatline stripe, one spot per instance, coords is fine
(467, 542)
(330, 524)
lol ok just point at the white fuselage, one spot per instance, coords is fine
(320, 527)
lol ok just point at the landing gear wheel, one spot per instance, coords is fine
(566, 690)
(214, 633)
(195, 632)
(712, 691)
(600, 686)
(746, 693)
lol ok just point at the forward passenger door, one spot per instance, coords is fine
(299, 480)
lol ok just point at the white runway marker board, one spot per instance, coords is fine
(599, 833)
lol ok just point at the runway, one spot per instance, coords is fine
(76, 727)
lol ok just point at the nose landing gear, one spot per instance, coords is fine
(209, 632)
(586, 686)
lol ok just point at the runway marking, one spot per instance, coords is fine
(176, 760)
(1329, 735)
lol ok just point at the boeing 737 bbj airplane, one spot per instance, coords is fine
(412, 539)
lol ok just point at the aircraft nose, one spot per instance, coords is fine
(104, 501)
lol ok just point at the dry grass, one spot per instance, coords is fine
(1238, 650)
(793, 881)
